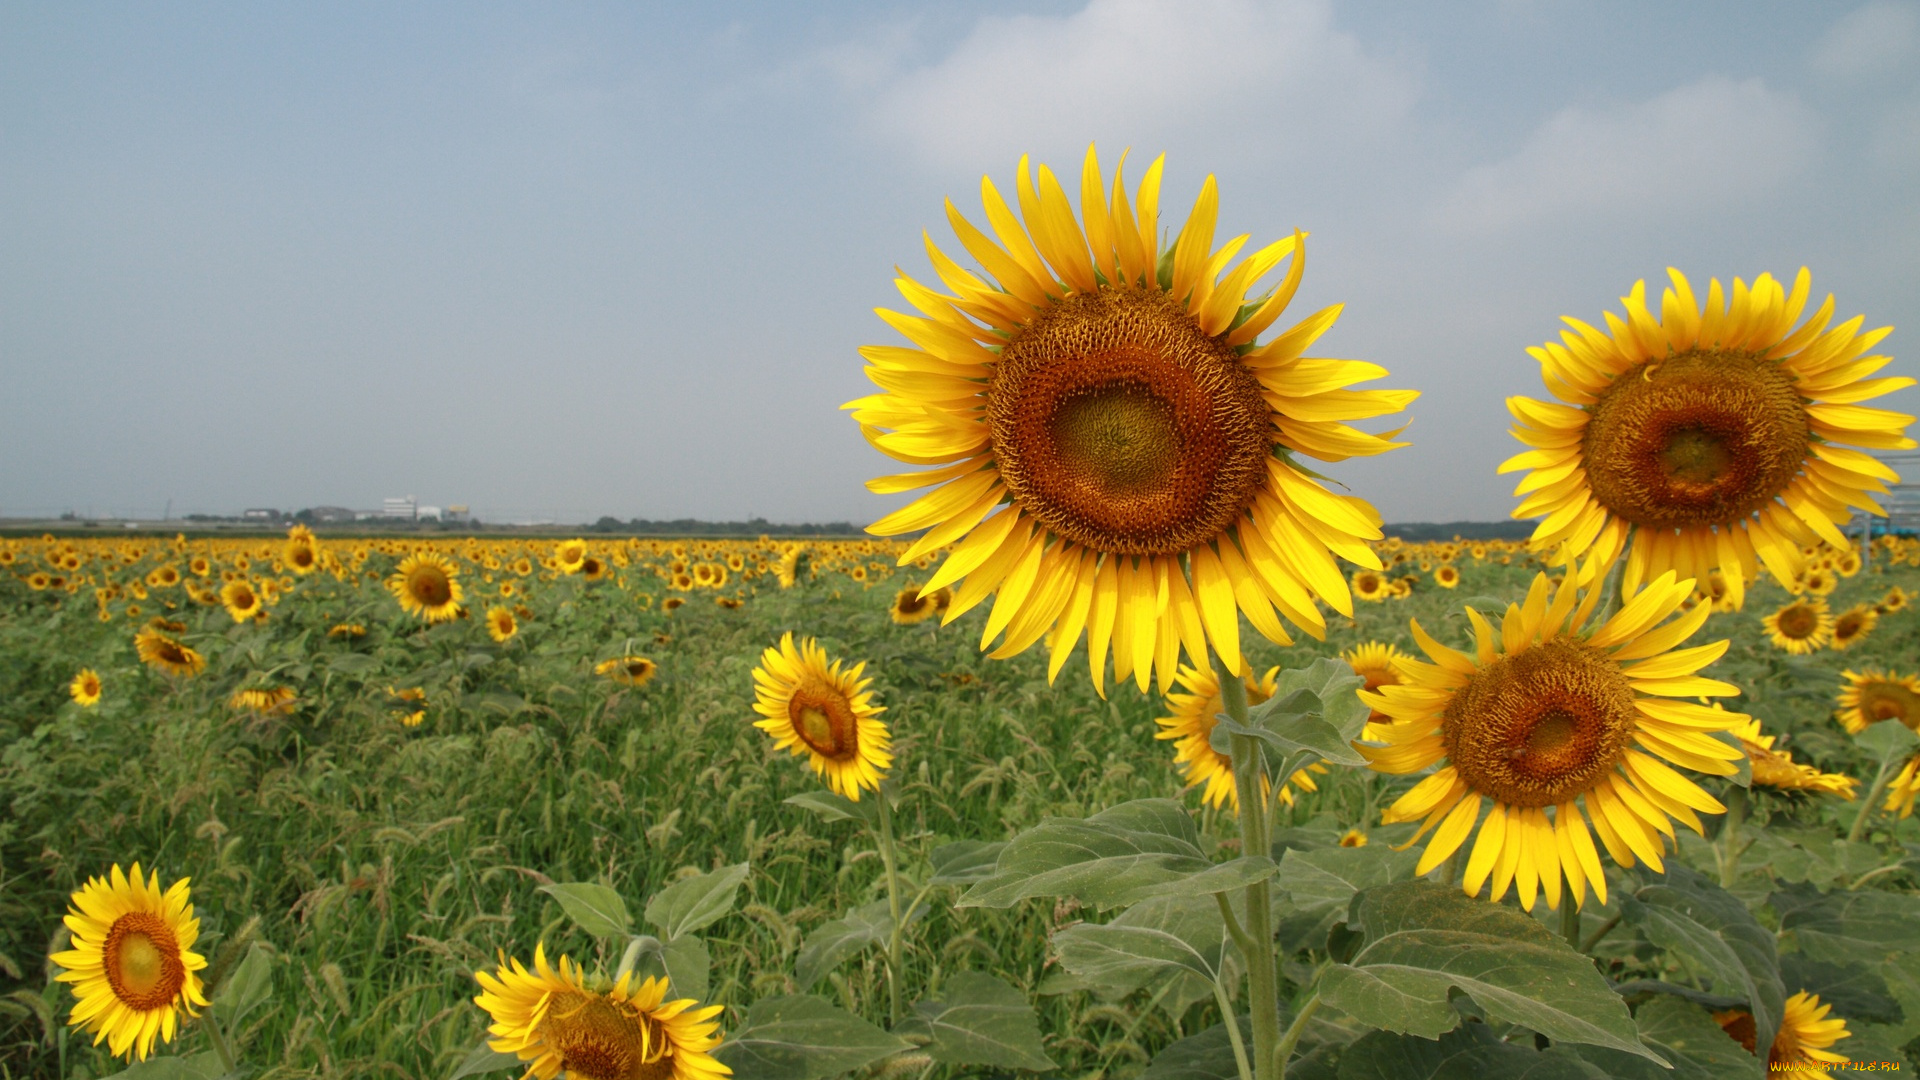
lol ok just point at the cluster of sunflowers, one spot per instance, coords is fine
(1116, 460)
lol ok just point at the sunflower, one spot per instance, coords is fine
(501, 625)
(910, 607)
(426, 584)
(1805, 1033)
(241, 601)
(556, 1022)
(85, 687)
(1191, 728)
(132, 965)
(273, 701)
(1371, 585)
(672, 603)
(1776, 768)
(1853, 624)
(1895, 600)
(1379, 664)
(348, 631)
(1353, 838)
(815, 708)
(569, 556)
(1873, 695)
(301, 551)
(1714, 432)
(1143, 444)
(1545, 713)
(1848, 563)
(1819, 581)
(1446, 576)
(635, 671)
(1800, 627)
(1905, 786)
(159, 649)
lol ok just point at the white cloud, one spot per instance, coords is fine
(1272, 74)
(1877, 39)
(1710, 143)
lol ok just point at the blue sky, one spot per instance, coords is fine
(583, 259)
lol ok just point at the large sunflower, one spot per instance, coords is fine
(1544, 713)
(1191, 727)
(1873, 695)
(427, 585)
(132, 964)
(1800, 1048)
(815, 708)
(1108, 400)
(1714, 431)
(552, 1020)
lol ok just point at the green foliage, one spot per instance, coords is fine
(979, 1020)
(803, 1037)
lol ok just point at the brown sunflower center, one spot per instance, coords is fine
(429, 585)
(1890, 701)
(824, 719)
(1117, 423)
(599, 1039)
(1540, 726)
(910, 602)
(302, 556)
(1850, 624)
(141, 958)
(1702, 438)
(1798, 622)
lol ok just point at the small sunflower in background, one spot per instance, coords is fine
(1800, 627)
(1379, 664)
(570, 556)
(1446, 576)
(159, 649)
(347, 631)
(1191, 728)
(1872, 696)
(1895, 600)
(1848, 563)
(909, 607)
(427, 585)
(824, 712)
(1545, 714)
(558, 1020)
(241, 600)
(635, 671)
(85, 688)
(1371, 585)
(672, 604)
(301, 552)
(270, 701)
(1776, 769)
(1818, 581)
(1805, 1033)
(1903, 789)
(1353, 838)
(1716, 429)
(501, 625)
(1853, 624)
(132, 966)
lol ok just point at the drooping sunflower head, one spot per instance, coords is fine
(1195, 712)
(501, 625)
(85, 687)
(1800, 1047)
(1775, 769)
(1115, 449)
(1872, 696)
(635, 671)
(132, 966)
(909, 607)
(159, 649)
(1800, 627)
(1714, 429)
(561, 1022)
(1853, 624)
(348, 631)
(427, 584)
(823, 711)
(266, 701)
(1546, 714)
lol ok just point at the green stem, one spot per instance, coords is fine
(1233, 1030)
(1730, 836)
(1234, 931)
(1570, 921)
(1594, 938)
(1284, 1051)
(1263, 992)
(1873, 798)
(220, 1047)
(893, 905)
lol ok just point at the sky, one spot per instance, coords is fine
(555, 261)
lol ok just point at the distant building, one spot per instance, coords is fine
(260, 514)
(407, 508)
(330, 514)
(457, 512)
(426, 513)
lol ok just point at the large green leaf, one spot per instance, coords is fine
(833, 806)
(1119, 856)
(979, 1020)
(802, 1037)
(1171, 946)
(1472, 1052)
(1867, 925)
(964, 862)
(1887, 741)
(1315, 713)
(835, 941)
(1425, 940)
(484, 1059)
(1853, 989)
(1685, 913)
(248, 986)
(1206, 1056)
(688, 966)
(594, 908)
(1317, 885)
(1684, 1034)
(697, 902)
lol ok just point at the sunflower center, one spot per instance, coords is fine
(1798, 622)
(1540, 726)
(1890, 702)
(598, 1039)
(825, 721)
(142, 961)
(1699, 439)
(1117, 423)
(429, 585)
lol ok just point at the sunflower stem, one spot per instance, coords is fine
(1262, 969)
(1292, 1038)
(893, 904)
(1867, 804)
(1570, 922)
(1232, 1022)
(1730, 836)
(220, 1047)
(1605, 929)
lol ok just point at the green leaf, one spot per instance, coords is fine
(1869, 926)
(1887, 741)
(1853, 990)
(1122, 855)
(485, 1059)
(1315, 713)
(353, 663)
(833, 942)
(1424, 940)
(245, 988)
(688, 967)
(203, 1066)
(696, 903)
(1171, 946)
(964, 862)
(1320, 883)
(802, 1037)
(1206, 1056)
(1472, 1052)
(594, 908)
(1687, 914)
(1684, 1034)
(833, 806)
(979, 1020)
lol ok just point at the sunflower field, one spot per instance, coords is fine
(1139, 750)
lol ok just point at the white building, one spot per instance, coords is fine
(407, 508)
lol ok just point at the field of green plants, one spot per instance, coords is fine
(352, 871)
